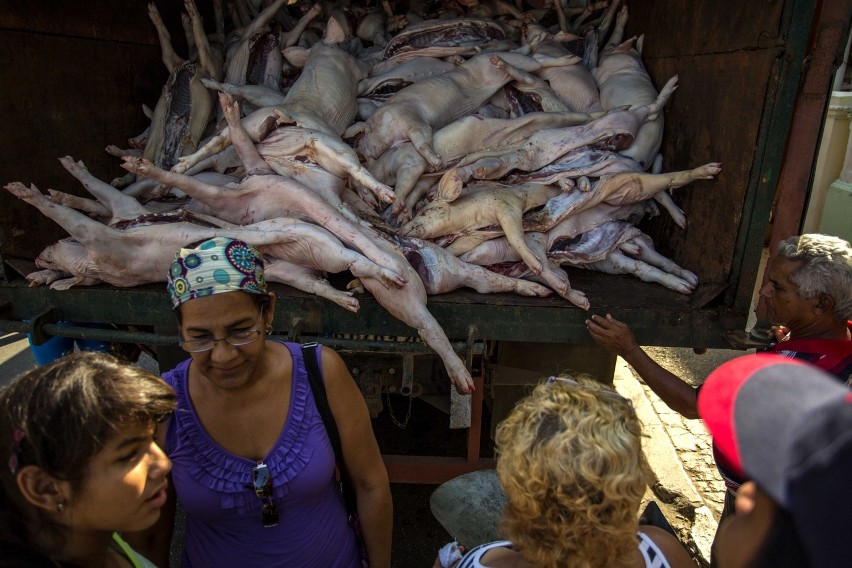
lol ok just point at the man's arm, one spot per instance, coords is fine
(616, 337)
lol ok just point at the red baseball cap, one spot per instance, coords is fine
(788, 426)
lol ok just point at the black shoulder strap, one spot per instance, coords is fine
(309, 355)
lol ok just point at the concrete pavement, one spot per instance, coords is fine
(688, 487)
(15, 356)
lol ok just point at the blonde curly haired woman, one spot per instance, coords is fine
(571, 465)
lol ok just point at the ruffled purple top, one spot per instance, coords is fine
(214, 486)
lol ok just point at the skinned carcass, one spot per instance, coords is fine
(615, 131)
(408, 304)
(184, 109)
(443, 272)
(327, 69)
(486, 204)
(618, 189)
(403, 165)
(604, 247)
(623, 80)
(414, 112)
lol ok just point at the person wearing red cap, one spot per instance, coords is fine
(787, 427)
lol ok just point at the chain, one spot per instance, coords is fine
(402, 425)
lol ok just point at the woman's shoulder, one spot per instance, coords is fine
(175, 375)
(498, 553)
(671, 548)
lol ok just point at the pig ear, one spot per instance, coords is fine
(640, 43)
(334, 31)
(450, 186)
(354, 129)
(296, 55)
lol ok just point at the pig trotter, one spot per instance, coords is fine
(527, 288)
(707, 171)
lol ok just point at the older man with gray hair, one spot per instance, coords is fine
(807, 299)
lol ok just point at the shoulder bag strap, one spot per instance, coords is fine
(309, 355)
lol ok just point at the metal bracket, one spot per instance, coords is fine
(471, 339)
(296, 332)
(407, 374)
(739, 339)
(39, 337)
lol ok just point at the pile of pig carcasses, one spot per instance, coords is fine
(494, 145)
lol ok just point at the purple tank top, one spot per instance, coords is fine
(214, 486)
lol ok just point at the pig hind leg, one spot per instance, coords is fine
(213, 196)
(618, 263)
(252, 160)
(421, 137)
(88, 206)
(121, 206)
(647, 253)
(677, 214)
(434, 337)
(78, 225)
(620, 23)
(310, 281)
(486, 282)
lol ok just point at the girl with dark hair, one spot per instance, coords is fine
(79, 462)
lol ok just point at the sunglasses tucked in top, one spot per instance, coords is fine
(262, 484)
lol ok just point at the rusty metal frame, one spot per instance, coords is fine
(401, 468)
(437, 469)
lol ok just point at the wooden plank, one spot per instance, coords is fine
(121, 21)
(713, 117)
(675, 29)
(431, 469)
(66, 97)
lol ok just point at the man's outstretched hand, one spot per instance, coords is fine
(611, 334)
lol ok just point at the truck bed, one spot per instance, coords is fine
(741, 67)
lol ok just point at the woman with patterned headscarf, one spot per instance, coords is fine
(253, 465)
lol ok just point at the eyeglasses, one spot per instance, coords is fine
(572, 382)
(263, 489)
(236, 339)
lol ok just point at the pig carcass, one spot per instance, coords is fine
(617, 189)
(414, 112)
(403, 165)
(442, 272)
(614, 131)
(603, 249)
(408, 304)
(184, 109)
(328, 70)
(486, 204)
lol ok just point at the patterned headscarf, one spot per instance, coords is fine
(214, 266)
